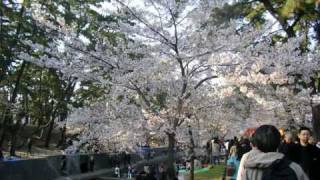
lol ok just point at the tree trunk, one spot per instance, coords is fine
(316, 121)
(7, 114)
(48, 137)
(4, 128)
(13, 144)
(171, 169)
(14, 130)
(192, 168)
(191, 153)
(63, 115)
(52, 115)
(62, 140)
(282, 21)
(62, 137)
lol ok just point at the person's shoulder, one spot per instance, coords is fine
(298, 171)
(245, 155)
(315, 150)
(312, 149)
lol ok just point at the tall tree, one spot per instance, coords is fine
(285, 20)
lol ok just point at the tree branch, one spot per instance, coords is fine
(285, 26)
(204, 80)
(168, 42)
(143, 96)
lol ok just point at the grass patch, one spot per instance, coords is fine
(215, 173)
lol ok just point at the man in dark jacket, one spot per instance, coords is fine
(308, 155)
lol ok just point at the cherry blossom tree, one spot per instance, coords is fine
(277, 77)
(161, 65)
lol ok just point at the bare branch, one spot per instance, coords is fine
(168, 42)
(194, 70)
(141, 94)
(204, 80)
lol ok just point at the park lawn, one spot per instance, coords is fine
(215, 173)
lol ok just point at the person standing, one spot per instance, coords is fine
(243, 147)
(91, 163)
(128, 157)
(29, 144)
(208, 151)
(84, 163)
(216, 148)
(162, 172)
(63, 165)
(288, 147)
(129, 171)
(117, 171)
(308, 155)
(232, 164)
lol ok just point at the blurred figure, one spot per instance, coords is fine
(215, 153)
(312, 141)
(29, 144)
(162, 173)
(84, 163)
(188, 165)
(63, 165)
(232, 164)
(117, 171)
(318, 144)
(282, 133)
(288, 147)
(91, 163)
(151, 174)
(208, 151)
(230, 144)
(197, 164)
(243, 147)
(129, 171)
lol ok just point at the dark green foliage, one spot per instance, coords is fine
(43, 95)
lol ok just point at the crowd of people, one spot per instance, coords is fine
(264, 154)
(267, 153)
(149, 172)
(274, 154)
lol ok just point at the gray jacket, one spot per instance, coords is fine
(255, 162)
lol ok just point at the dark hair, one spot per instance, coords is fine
(304, 129)
(266, 138)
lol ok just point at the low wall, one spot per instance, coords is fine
(52, 167)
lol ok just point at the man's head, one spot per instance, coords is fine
(288, 137)
(304, 135)
(266, 138)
